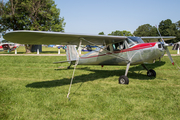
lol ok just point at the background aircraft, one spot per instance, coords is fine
(8, 46)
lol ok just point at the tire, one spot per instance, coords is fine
(151, 73)
(123, 80)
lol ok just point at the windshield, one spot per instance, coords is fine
(130, 42)
(136, 39)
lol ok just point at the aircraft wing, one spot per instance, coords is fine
(156, 38)
(44, 37)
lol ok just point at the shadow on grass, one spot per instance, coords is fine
(97, 74)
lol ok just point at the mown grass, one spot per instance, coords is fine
(31, 87)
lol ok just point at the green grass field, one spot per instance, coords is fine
(32, 88)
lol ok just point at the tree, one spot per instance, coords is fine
(38, 15)
(121, 33)
(146, 30)
(167, 28)
(101, 33)
(178, 31)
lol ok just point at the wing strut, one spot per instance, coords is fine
(77, 61)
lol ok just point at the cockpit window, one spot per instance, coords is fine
(118, 46)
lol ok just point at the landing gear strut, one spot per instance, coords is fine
(150, 73)
(69, 66)
(124, 79)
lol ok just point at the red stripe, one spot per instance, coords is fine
(137, 47)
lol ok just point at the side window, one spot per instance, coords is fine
(118, 46)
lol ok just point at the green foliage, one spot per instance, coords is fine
(32, 88)
(101, 33)
(146, 30)
(121, 33)
(41, 15)
(167, 28)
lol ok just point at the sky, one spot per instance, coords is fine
(94, 16)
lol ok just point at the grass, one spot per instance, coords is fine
(31, 87)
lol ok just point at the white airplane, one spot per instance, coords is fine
(8, 46)
(115, 50)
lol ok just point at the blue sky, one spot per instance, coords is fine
(94, 16)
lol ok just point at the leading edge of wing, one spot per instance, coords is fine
(45, 37)
(156, 38)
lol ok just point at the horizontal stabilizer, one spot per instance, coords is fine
(64, 61)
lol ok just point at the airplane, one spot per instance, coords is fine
(8, 46)
(1, 48)
(114, 50)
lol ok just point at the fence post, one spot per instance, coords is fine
(178, 50)
(59, 52)
(38, 51)
(15, 51)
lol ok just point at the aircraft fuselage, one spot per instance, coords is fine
(137, 54)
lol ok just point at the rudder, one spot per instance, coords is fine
(71, 53)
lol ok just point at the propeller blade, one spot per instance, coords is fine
(169, 55)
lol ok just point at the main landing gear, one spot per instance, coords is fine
(124, 79)
(69, 66)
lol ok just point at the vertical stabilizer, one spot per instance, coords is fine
(71, 53)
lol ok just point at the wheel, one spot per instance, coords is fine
(123, 80)
(151, 73)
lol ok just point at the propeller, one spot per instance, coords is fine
(168, 53)
(165, 45)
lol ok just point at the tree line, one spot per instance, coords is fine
(38, 15)
(166, 28)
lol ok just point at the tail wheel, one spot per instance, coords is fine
(151, 73)
(123, 80)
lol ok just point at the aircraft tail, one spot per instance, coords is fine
(71, 53)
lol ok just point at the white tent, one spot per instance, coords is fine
(176, 46)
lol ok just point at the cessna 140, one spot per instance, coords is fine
(116, 50)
